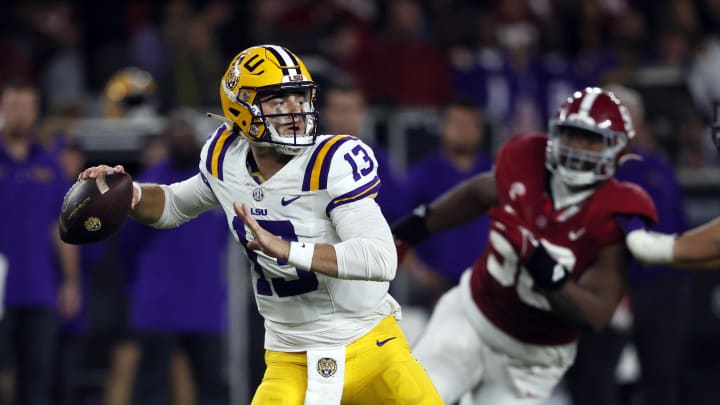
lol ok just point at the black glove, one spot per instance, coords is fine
(412, 228)
(547, 273)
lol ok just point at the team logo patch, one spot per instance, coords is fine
(326, 367)
(93, 224)
(517, 189)
(258, 194)
(231, 80)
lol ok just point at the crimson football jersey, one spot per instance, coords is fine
(573, 235)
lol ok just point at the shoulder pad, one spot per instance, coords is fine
(521, 159)
(213, 152)
(317, 170)
(344, 166)
(627, 199)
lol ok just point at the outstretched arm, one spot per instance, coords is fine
(463, 203)
(163, 206)
(147, 203)
(698, 248)
(460, 205)
(366, 250)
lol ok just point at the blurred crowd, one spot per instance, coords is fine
(481, 70)
(515, 58)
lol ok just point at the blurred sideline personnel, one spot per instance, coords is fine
(322, 253)
(73, 332)
(30, 178)
(178, 295)
(130, 93)
(445, 256)
(344, 111)
(554, 263)
(659, 296)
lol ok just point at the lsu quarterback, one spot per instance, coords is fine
(321, 253)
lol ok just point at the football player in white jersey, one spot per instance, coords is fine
(321, 253)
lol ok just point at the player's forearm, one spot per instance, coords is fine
(698, 248)
(367, 250)
(151, 205)
(373, 259)
(353, 261)
(581, 306)
(324, 260)
(319, 258)
(462, 204)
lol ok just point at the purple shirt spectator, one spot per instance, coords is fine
(449, 252)
(521, 100)
(90, 257)
(31, 194)
(177, 280)
(392, 197)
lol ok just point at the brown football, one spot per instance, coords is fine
(94, 209)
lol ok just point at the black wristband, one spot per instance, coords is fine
(547, 273)
(412, 228)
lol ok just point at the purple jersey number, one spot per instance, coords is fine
(358, 173)
(307, 280)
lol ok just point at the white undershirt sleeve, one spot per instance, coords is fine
(367, 250)
(184, 201)
(651, 247)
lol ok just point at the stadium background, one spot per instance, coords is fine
(516, 58)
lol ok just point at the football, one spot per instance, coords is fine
(94, 209)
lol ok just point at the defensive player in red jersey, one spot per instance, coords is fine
(554, 262)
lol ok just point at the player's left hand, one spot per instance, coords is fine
(264, 241)
(545, 271)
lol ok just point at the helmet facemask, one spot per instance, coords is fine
(578, 167)
(297, 129)
(590, 113)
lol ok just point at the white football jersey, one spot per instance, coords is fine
(302, 309)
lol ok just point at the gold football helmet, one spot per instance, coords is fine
(129, 92)
(262, 71)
